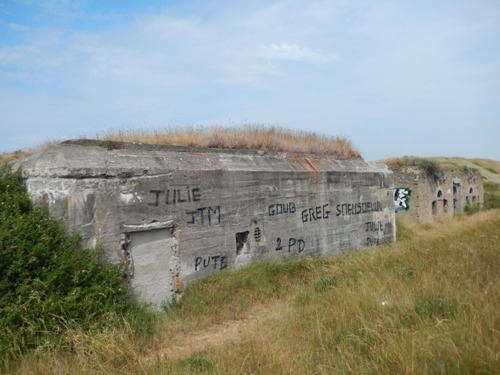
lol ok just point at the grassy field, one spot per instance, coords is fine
(489, 169)
(427, 305)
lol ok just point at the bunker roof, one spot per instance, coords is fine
(92, 158)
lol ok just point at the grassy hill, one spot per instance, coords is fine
(489, 169)
(427, 305)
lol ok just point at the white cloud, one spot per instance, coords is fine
(293, 52)
(160, 27)
(64, 8)
(249, 73)
(10, 55)
(15, 26)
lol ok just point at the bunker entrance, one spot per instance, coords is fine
(150, 263)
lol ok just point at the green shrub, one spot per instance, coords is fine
(491, 195)
(431, 168)
(428, 166)
(47, 284)
(491, 199)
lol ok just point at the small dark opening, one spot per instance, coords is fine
(434, 208)
(440, 194)
(445, 205)
(242, 243)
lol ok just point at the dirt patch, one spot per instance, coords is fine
(186, 345)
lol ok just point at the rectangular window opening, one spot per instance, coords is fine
(242, 246)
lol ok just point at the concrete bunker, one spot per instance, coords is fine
(174, 215)
(431, 194)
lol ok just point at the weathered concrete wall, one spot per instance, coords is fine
(435, 198)
(178, 214)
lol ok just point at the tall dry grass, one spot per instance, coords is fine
(8, 157)
(256, 137)
(427, 305)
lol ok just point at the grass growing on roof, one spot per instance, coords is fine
(256, 137)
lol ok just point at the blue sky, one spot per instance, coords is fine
(396, 77)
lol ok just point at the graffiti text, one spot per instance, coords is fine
(358, 208)
(175, 196)
(216, 262)
(315, 213)
(281, 208)
(204, 215)
(374, 226)
(293, 245)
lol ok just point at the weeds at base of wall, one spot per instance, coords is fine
(471, 210)
(49, 288)
(404, 230)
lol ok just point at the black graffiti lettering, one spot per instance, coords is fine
(294, 244)
(179, 197)
(281, 208)
(302, 245)
(326, 213)
(215, 259)
(217, 262)
(176, 196)
(198, 216)
(347, 209)
(278, 244)
(374, 226)
(157, 194)
(192, 213)
(304, 216)
(372, 241)
(315, 213)
(211, 211)
(196, 194)
(197, 262)
(223, 262)
(201, 210)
